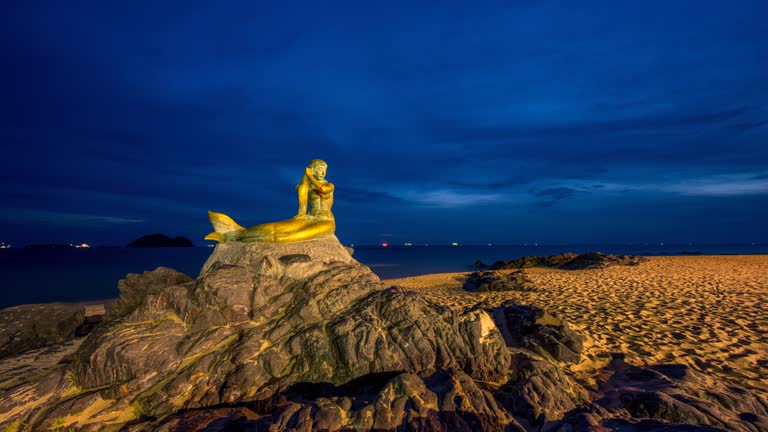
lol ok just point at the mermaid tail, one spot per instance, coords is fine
(215, 236)
(222, 224)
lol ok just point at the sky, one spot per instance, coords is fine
(492, 122)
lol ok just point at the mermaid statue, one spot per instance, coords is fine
(313, 190)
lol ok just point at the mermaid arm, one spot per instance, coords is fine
(321, 188)
(303, 192)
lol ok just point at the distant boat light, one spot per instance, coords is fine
(454, 244)
(384, 244)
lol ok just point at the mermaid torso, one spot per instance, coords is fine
(320, 205)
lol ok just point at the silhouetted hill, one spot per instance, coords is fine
(160, 240)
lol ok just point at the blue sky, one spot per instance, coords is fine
(503, 122)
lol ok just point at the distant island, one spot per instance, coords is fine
(160, 240)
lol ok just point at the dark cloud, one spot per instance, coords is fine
(373, 197)
(553, 195)
(506, 184)
(747, 126)
(160, 112)
(649, 123)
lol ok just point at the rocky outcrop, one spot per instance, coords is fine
(534, 261)
(675, 393)
(571, 261)
(488, 281)
(669, 397)
(259, 320)
(536, 330)
(539, 391)
(302, 337)
(445, 400)
(598, 260)
(26, 327)
(135, 288)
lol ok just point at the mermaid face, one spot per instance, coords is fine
(319, 172)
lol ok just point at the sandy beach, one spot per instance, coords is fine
(707, 312)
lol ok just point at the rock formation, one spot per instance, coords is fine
(260, 319)
(571, 261)
(534, 261)
(302, 337)
(536, 330)
(597, 260)
(26, 327)
(538, 391)
(487, 281)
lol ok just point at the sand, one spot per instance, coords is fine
(707, 312)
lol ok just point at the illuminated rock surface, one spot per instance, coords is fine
(491, 280)
(33, 326)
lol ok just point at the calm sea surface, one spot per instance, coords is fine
(47, 275)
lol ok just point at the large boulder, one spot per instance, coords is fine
(27, 327)
(135, 288)
(538, 391)
(489, 281)
(536, 330)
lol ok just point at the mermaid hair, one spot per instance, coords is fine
(314, 163)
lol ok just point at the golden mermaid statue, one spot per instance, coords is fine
(313, 189)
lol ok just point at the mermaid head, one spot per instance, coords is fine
(318, 167)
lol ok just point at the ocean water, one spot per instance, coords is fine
(48, 275)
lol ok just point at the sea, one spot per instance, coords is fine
(31, 275)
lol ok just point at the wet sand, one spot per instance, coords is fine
(707, 312)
